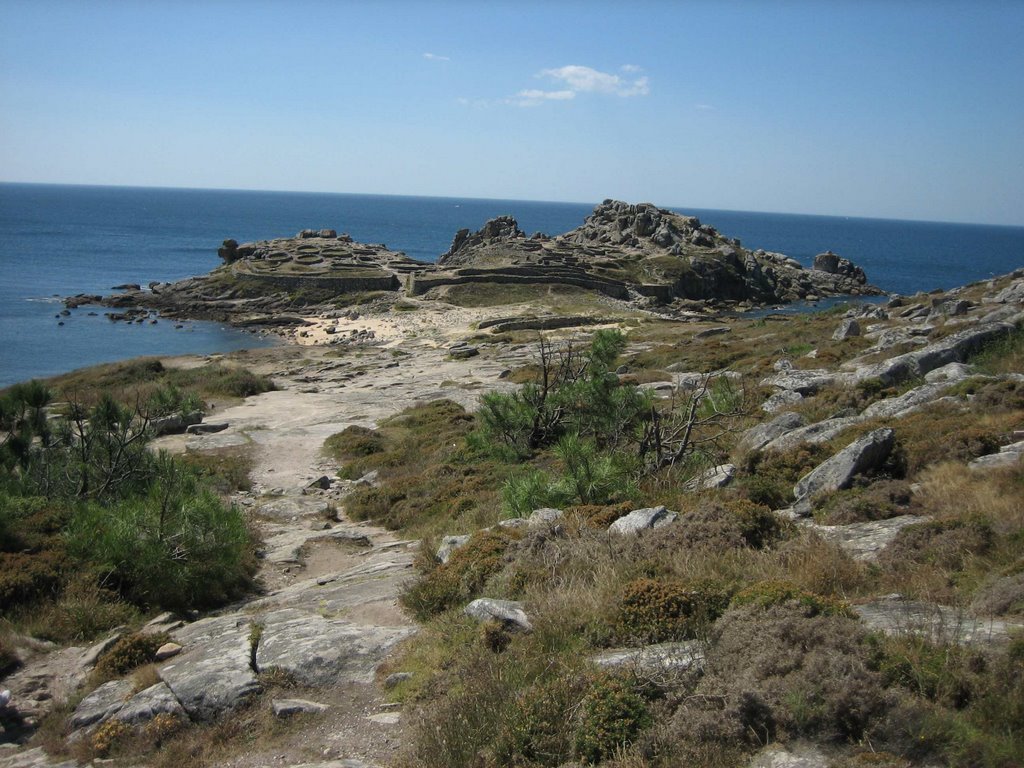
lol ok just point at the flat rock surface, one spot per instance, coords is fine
(214, 672)
(895, 616)
(864, 541)
(317, 651)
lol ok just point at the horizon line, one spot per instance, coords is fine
(674, 208)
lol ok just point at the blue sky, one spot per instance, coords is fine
(895, 109)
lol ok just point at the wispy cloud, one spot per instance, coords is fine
(435, 57)
(576, 78)
(705, 107)
(534, 97)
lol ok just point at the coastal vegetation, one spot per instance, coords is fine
(95, 528)
(767, 604)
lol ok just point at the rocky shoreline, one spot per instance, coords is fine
(634, 256)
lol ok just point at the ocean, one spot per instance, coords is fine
(61, 240)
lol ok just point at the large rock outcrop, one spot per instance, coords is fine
(622, 248)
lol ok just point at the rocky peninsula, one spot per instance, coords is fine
(641, 256)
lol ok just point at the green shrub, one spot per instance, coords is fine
(169, 399)
(879, 500)
(128, 653)
(946, 674)
(653, 611)
(178, 547)
(539, 728)
(354, 442)
(766, 594)
(223, 380)
(948, 544)
(782, 672)
(612, 716)
(533, 489)
(460, 579)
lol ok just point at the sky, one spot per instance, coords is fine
(910, 110)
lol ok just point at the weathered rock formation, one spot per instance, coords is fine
(623, 248)
(628, 252)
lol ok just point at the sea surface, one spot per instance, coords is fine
(62, 240)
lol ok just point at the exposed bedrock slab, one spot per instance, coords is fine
(819, 432)
(714, 477)
(952, 349)
(449, 544)
(864, 541)
(100, 705)
(756, 438)
(838, 472)
(907, 403)
(894, 615)
(147, 704)
(510, 613)
(790, 756)
(805, 382)
(655, 659)
(318, 651)
(214, 674)
(642, 519)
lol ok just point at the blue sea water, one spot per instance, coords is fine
(62, 240)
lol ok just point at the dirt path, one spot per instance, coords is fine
(328, 583)
(305, 560)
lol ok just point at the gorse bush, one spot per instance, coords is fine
(612, 716)
(459, 580)
(129, 652)
(654, 611)
(767, 594)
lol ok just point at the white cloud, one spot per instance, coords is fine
(588, 80)
(533, 97)
(435, 57)
(631, 68)
(704, 107)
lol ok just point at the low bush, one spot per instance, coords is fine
(222, 380)
(768, 594)
(947, 544)
(128, 653)
(540, 729)
(945, 674)
(1001, 596)
(782, 671)
(655, 611)
(83, 611)
(879, 500)
(9, 660)
(459, 580)
(769, 476)
(354, 442)
(227, 469)
(588, 477)
(179, 547)
(612, 716)
(429, 479)
(958, 707)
